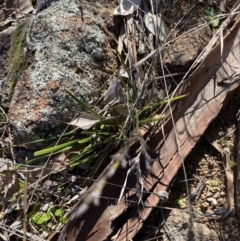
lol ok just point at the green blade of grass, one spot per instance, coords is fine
(164, 101)
(99, 133)
(86, 151)
(54, 149)
(86, 159)
(39, 158)
(148, 109)
(91, 148)
(85, 105)
(146, 121)
(124, 66)
(57, 148)
(85, 140)
(97, 165)
(41, 140)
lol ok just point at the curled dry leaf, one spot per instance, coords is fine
(127, 7)
(156, 25)
(85, 121)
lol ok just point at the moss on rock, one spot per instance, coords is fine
(16, 55)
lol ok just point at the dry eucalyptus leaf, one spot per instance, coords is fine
(5, 164)
(222, 5)
(156, 25)
(14, 10)
(46, 205)
(3, 237)
(85, 121)
(121, 37)
(123, 73)
(16, 224)
(127, 7)
(114, 93)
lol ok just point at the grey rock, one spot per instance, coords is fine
(5, 44)
(178, 226)
(66, 54)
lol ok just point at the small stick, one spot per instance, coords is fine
(195, 195)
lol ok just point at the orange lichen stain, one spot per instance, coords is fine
(63, 35)
(53, 85)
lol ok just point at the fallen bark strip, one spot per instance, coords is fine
(207, 88)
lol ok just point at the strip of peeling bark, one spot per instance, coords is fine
(207, 89)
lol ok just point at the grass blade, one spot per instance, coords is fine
(85, 105)
(146, 121)
(54, 149)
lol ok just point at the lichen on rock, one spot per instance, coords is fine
(68, 54)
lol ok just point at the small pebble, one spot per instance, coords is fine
(216, 195)
(209, 211)
(209, 194)
(163, 195)
(205, 219)
(204, 205)
(212, 201)
(222, 194)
